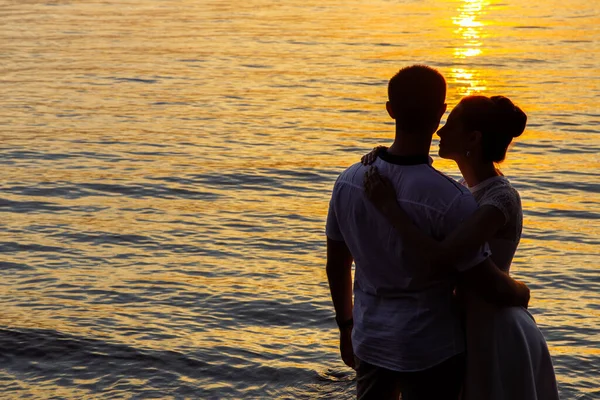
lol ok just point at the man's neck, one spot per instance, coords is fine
(410, 144)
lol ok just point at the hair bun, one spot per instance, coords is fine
(511, 117)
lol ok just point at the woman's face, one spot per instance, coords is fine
(454, 142)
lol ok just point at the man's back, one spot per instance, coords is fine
(404, 317)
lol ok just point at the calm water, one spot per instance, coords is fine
(166, 168)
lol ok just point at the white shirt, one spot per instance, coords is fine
(405, 318)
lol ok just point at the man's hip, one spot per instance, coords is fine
(440, 382)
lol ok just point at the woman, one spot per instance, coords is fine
(507, 356)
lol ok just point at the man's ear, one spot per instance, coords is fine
(388, 107)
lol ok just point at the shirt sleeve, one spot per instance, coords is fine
(460, 210)
(332, 227)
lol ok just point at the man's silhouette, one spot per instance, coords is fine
(403, 333)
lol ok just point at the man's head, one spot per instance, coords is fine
(417, 99)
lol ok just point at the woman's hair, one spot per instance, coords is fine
(498, 120)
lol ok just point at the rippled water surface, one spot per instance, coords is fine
(166, 168)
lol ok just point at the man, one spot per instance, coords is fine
(403, 334)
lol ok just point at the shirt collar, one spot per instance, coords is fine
(404, 160)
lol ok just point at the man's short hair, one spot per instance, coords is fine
(417, 94)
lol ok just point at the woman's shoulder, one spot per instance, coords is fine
(502, 186)
(495, 184)
(500, 193)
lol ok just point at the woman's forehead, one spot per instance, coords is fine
(456, 112)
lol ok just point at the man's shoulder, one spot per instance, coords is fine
(446, 183)
(433, 189)
(430, 182)
(458, 197)
(352, 174)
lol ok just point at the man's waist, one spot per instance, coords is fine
(406, 318)
(403, 328)
(411, 353)
(438, 293)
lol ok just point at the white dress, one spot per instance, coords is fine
(507, 356)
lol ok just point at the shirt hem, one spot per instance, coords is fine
(396, 368)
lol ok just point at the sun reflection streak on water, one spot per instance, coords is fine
(470, 28)
(470, 32)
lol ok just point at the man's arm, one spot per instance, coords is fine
(495, 286)
(339, 275)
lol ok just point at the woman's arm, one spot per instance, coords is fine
(466, 239)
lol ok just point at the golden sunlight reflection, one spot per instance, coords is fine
(469, 28)
(469, 81)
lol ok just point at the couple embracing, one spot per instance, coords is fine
(435, 314)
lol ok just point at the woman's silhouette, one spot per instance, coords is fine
(507, 356)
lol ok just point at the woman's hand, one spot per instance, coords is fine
(380, 191)
(370, 158)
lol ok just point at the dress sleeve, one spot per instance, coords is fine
(505, 198)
